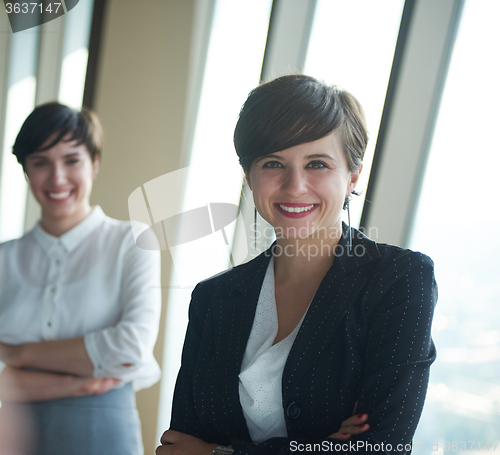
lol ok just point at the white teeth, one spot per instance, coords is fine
(296, 209)
(59, 195)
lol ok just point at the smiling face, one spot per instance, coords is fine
(61, 179)
(301, 190)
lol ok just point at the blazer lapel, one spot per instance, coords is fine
(332, 300)
(233, 315)
(335, 295)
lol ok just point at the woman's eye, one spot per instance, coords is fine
(317, 165)
(39, 164)
(272, 164)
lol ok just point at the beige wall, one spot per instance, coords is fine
(140, 99)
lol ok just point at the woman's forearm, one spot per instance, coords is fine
(62, 356)
(19, 385)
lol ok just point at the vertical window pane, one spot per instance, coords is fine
(456, 224)
(23, 89)
(21, 86)
(352, 45)
(234, 62)
(75, 53)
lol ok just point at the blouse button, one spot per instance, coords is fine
(293, 410)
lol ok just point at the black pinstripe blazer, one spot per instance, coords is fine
(366, 337)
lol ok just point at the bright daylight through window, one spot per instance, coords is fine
(456, 225)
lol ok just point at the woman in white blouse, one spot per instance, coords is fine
(79, 302)
(281, 352)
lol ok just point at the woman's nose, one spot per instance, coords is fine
(58, 174)
(295, 183)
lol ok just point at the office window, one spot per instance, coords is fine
(352, 44)
(20, 101)
(25, 88)
(456, 225)
(75, 53)
(237, 40)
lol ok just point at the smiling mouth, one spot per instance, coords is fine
(288, 209)
(59, 196)
(295, 210)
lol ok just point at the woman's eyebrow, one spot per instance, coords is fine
(72, 154)
(265, 157)
(35, 156)
(308, 157)
(320, 155)
(40, 155)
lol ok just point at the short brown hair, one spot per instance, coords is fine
(295, 109)
(58, 120)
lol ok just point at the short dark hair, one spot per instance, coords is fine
(58, 120)
(295, 109)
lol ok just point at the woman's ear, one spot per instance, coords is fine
(355, 178)
(95, 167)
(247, 178)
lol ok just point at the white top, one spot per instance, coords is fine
(262, 368)
(92, 281)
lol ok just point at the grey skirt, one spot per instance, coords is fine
(106, 424)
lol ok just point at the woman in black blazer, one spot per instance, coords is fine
(346, 320)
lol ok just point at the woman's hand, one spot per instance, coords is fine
(351, 426)
(175, 442)
(22, 385)
(10, 354)
(63, 356)
(93, 386)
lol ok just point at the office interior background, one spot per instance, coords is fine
(167, 79)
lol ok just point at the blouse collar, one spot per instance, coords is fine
(72, 238)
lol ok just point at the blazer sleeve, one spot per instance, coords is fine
(184, 417)
(399, 352)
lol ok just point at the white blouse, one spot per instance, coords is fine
(93, 281)
(262, 368)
